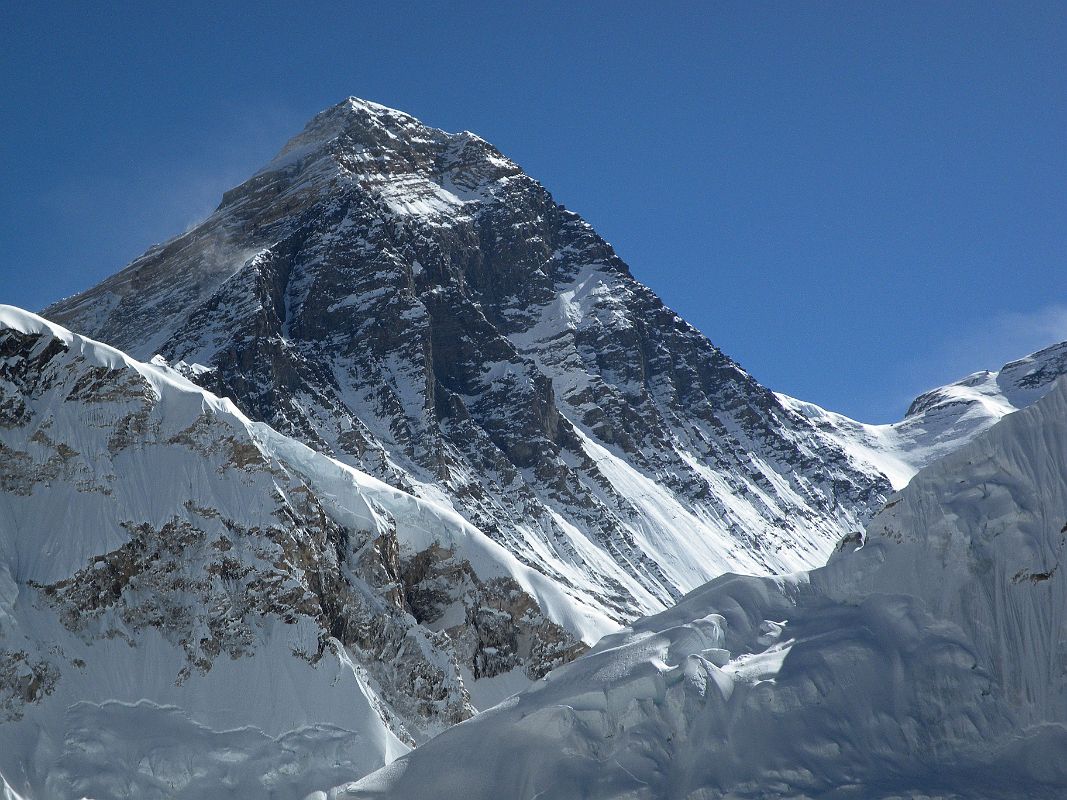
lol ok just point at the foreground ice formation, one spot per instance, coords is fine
(927, 659)
(190, 599)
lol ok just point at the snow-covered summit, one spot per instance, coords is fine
(361, 123)
(355, 148)
(417, 169)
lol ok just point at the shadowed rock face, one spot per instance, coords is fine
(410, 302)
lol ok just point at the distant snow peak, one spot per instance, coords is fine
(942, 420)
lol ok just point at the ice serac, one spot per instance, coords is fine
(942, 420)
(927, 659)
(410, 302)
(190, 600)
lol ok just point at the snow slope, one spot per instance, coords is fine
(940, 421)
(193, 605)
(926, 659)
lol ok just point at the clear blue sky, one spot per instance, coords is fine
(855, 200)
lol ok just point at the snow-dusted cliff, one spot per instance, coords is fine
(927, 659)
(193, 604)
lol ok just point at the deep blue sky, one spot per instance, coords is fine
(855, 200)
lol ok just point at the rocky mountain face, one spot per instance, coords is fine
(927, 659)
(190, 600)
(411, 303)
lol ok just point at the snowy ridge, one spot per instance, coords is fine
(190, 600)
(942, 420)
(927, 659)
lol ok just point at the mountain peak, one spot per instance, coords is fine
(408, 300)
(368, 140)
(354, 103)
(353, 116)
